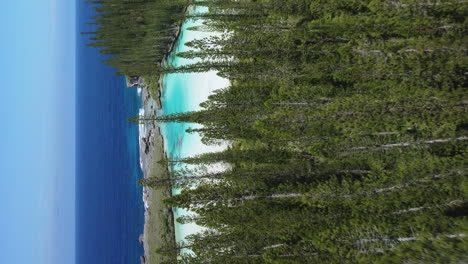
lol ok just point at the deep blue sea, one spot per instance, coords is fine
(109, 207)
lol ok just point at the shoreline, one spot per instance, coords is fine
(159, 228)
(206, 83)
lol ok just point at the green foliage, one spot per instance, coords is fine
(136, 34)
(349, 128)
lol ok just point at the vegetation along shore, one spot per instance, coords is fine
(347, 120)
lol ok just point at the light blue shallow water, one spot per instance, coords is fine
(184, 92)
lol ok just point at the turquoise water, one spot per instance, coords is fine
(184, 92)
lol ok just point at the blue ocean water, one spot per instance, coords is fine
(109, 207)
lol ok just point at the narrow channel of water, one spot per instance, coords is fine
(184, 92)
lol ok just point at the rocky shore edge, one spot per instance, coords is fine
(159, 219)
(152, 149)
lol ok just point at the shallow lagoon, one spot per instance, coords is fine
(184, 92)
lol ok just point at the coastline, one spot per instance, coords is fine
(159, 219)
(159, 228)
(184, 92)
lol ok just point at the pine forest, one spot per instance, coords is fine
(346, 121)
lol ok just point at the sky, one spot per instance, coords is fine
(37, 131)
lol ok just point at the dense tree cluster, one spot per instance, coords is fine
(137, 34)
(349, 129)
(347, 120)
